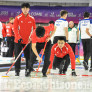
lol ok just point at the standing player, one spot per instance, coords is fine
(61, 55)
(39, 37)
(10, 36)
(72, 35)
(4, 31)
(85, 28)
(1, 36)
(61, 26)
(23, 26)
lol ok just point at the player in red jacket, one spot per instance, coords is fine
(39, 37)
(4, 30)
(3, 33)
(1, 36)
(23, 26)
(61, 55)
(10, 36)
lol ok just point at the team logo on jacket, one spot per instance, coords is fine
(21, 21)
(29, 22)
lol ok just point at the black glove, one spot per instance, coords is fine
(20, 40)
(73, 72)
(91, 37)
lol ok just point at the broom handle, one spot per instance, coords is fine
(41, 57)
(17, 57)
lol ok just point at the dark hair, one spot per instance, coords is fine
(62, 12)
(27, 5)
(62, 38)
(11, 18)
(86, 14)
(51, 22)
(40, 31)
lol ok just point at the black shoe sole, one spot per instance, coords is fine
(44, 76)
(90, 70)
(17, 75)
(61, 71)
(28, 75)
(64, 72)
(85, 65)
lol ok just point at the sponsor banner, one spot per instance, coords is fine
(43, 14)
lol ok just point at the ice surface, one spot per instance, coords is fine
(52, 83)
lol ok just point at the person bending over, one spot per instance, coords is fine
(39, 37)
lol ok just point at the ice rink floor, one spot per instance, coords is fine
(51, 83)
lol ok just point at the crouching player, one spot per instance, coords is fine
(61, 55)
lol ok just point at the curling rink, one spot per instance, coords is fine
(52, 83)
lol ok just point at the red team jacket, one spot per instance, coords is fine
(48, 29)
(56, 51)
(23, 27)
(4, 30)
(9, 30)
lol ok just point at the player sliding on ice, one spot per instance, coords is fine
(61, 55)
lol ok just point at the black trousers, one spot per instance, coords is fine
(40, 46)
(73, 45)
(86, 49)
(0, 44)
(91, 51)
(10, 43)
(56, 39)
(18, 48)
(0, 40)
(65, 61)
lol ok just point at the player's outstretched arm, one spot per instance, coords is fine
(36, 53)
